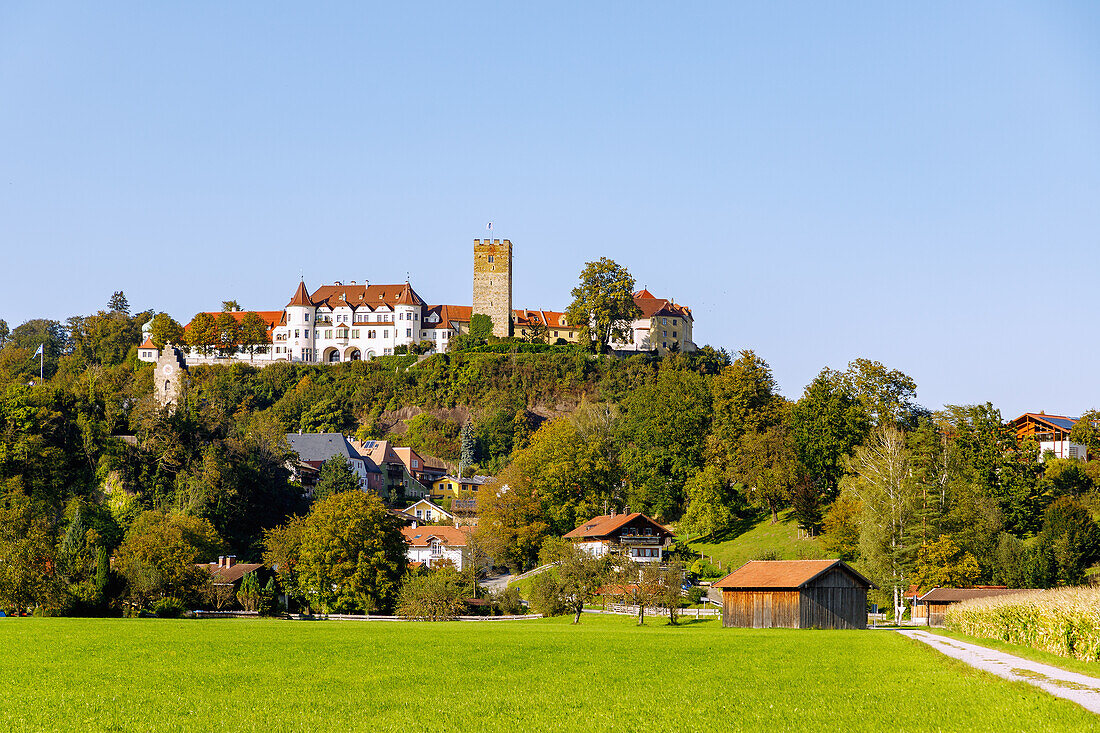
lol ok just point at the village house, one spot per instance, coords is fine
(226, 576)
(636, 534)
(1051, 432)
(795, 594)
(431, 545)
(400, 469)
(313, 449)
(455, 486)
(428, 513)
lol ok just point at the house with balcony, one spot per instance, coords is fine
(1051, 432)
(431, 545)
(428, 513)
(455, 486)
(642, 538)
(397, 466)
(313, 449)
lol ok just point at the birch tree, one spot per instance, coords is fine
(882, 482)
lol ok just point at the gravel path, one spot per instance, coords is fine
(1081, 689)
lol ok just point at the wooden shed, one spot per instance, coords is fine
(794, 594)
(933, 605)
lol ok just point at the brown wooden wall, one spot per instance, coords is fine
(835, 600)
(760, 609)
(936, 613)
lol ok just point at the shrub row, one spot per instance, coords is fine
(1063, 621)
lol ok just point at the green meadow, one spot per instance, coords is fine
(604, 675)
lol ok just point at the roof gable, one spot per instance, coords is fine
(605, 525)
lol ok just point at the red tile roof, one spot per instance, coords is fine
(357, 296)
(780, 573)
(147, 344)
(301, 296)
(451, 536)
(224, 576)
(604, 525)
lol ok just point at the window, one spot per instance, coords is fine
(387, 352)
(295, 333)
(307, 317)
(555, 334)
(400, 316)
(664, 333)
(416, 316)
(673, 334)
(416, 463)
(673, 321)
(490, 258)
(355, 333)
(328, 333)
(386, 333)
(307, 333)
(664, 321)
(419, 514)
(408, 333)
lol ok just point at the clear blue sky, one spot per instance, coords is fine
(917, 184)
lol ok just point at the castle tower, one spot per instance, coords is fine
(493, 283)
(169, 377)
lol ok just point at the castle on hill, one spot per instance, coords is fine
(353, 321)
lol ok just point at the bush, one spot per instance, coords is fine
(546, 595)
(169, 608)
(703, 569)
(1065, 621)
(695, 595)
(433, 596)
(509, 602)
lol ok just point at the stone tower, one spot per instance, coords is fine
(169, 377)
(493, 282)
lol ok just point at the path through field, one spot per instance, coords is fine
(1081, 689)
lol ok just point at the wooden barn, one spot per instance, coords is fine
(933, 605)
(794, 594)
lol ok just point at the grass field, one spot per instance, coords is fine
(751, 539)
(606, 674)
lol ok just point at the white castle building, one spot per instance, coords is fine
(352, 321)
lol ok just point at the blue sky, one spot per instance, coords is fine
(913, 183)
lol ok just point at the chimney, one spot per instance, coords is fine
(221, 561)
(230, 560)
(612, 511)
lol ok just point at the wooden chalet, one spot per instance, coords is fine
(933, 605)
(794, 594)
(1051, 432)
(635, 534)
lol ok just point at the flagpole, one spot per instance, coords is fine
(41, 364)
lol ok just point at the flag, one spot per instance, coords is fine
(39, 350)
(489, 226)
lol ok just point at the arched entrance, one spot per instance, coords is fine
(331, 355)
(353, 355)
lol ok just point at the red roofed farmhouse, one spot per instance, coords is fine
(613, 534)
(794, 594)
(432, 545)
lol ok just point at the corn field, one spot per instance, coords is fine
(1063, 621)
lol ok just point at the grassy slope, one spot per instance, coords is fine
(232, 675)
(752, 538)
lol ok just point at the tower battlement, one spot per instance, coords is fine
(493, 283)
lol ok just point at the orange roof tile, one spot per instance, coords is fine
(780, 573)
(147, 344)
(451, 536)
(301, 296)
(604, 525)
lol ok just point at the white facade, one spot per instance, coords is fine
(1063, 449)
(600, 548)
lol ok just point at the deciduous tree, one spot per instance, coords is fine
(227, 333)
(336, 475)
(826, 424)
(159, 554)
(202, 333)
(352, 554)
(603, 304)
(166, 329)
(252, 334)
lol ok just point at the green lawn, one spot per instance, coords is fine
(604, 675)
(751, 539)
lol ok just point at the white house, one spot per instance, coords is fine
(643, 538)
(431, 545)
